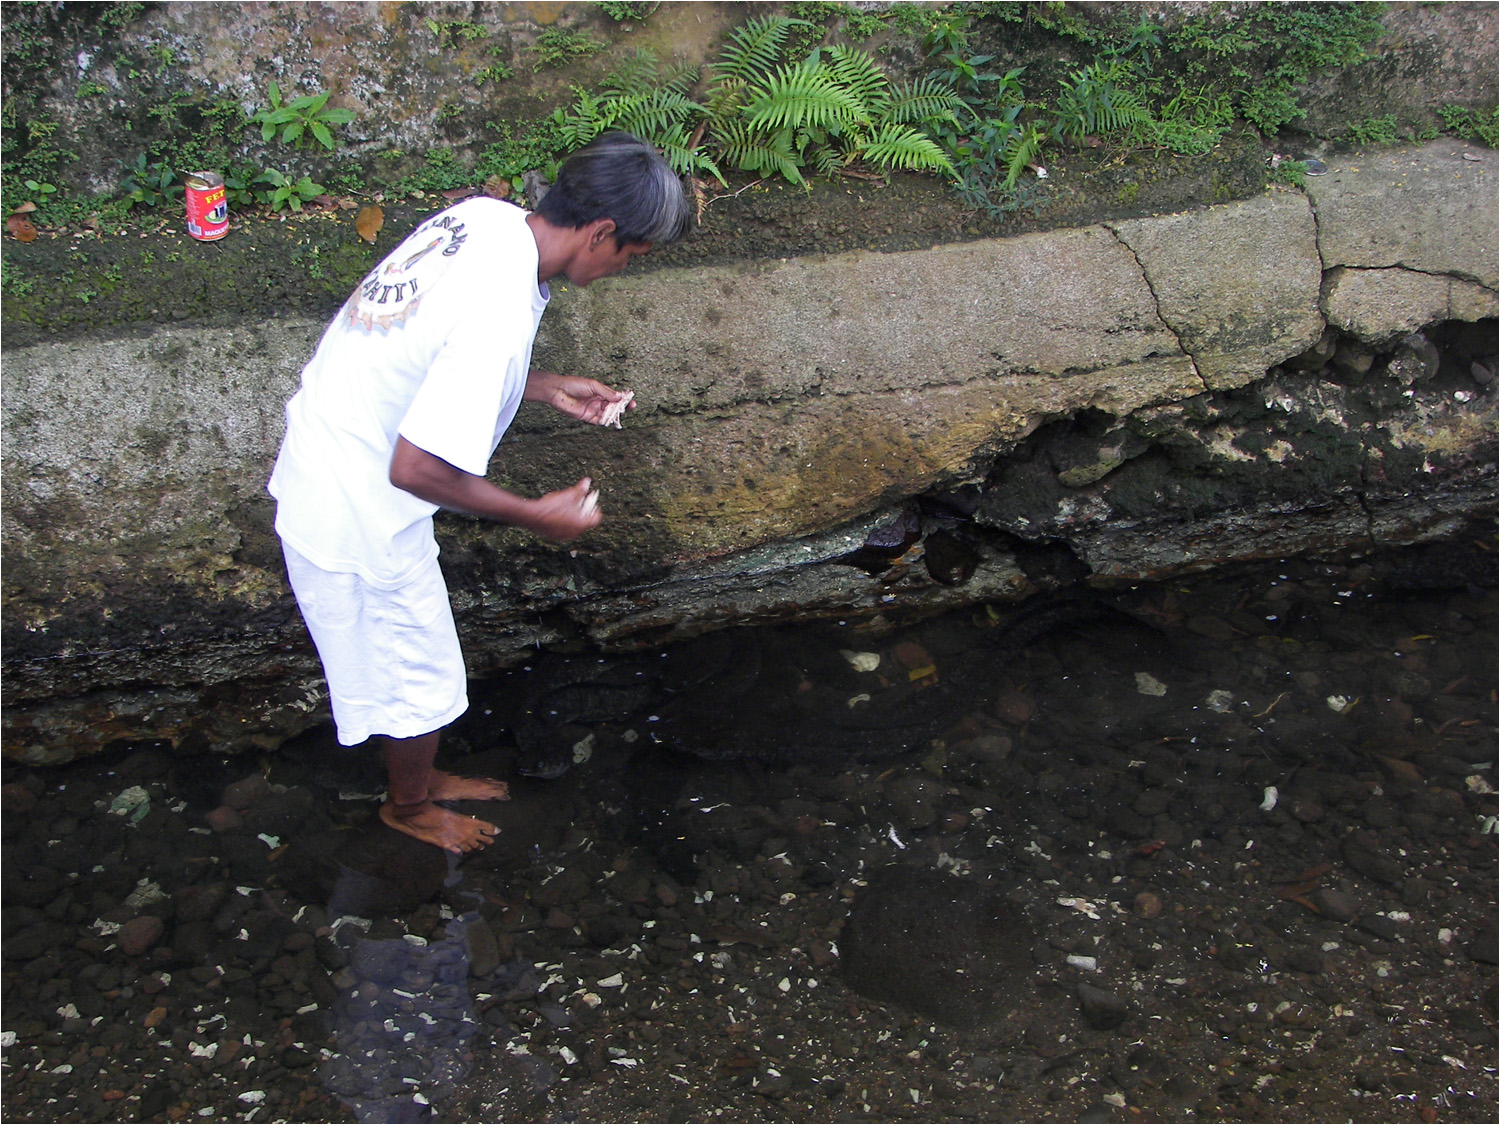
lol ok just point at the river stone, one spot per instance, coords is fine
(949, 949)
(140, 934)
(367, 871)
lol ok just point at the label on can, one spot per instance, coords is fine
(207, 206)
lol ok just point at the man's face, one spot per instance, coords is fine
(602, 257)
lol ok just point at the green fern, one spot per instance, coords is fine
(754, 49)
(859, 74)
(762, 153)
(901, 146)
(802, 95)
(1021, 150)
(923, 100)
(1093, 102)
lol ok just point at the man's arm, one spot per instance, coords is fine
(559, 515)
(584, 399)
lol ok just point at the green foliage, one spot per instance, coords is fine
(285, 192)
(1472, 124)
(775, 118)
(1096, 101)
(443, 171)
(450, 32)
(497, 71)
(1259, 55)
(149, 183)
(624, 11)
(557, 46)
(300, 118)
(14, 281)
(766, 115)
(1293, 172)
(522, 146)
(1375, 131)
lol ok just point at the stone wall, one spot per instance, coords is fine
(1245, 380)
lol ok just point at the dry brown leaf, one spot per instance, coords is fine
(369, 221)
(20, 228)
(452, 195)
(24, 208)
(497, 187)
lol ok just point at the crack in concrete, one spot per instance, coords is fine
(1442, 275)
(1160, 315)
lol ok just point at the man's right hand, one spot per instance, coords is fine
(562, 515)
(567, 513)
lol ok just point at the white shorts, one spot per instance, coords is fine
(391, 657)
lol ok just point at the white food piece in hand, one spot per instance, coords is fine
(615, 411)
(590, 502)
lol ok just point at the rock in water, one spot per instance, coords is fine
(946, 948)
(374, 869)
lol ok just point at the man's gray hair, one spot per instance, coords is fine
(619, 176)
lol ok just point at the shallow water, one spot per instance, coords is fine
(1217, 848)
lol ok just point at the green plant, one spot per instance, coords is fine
(1259, 55)
(1375, 130)
(559, 45)
(91, 89)
(285, 192)
(774, 118)
(149, 183)
(623, 11)
(1471, 124)
(497, 71)
(40, 191)
(449, 32)
(1098, 100)
(1292, 172)
(640, 99)
(14, 282)
(306, 116)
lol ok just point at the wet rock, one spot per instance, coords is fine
(366, 871)
(482, 947)
(1363, 852)
(1484, 947)
(247, 791)
(949, 949)
(224, 819)
(1337, 905)
(140, 934)
(1103, 1010)
(911, 798)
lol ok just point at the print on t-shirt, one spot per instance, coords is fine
(389, 296)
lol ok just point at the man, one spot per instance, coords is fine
(400, 409)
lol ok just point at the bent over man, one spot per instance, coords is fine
(399, 411)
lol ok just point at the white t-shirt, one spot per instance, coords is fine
(434, 345)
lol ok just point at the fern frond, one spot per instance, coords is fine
(802, 95)
(901, 146)
(923, 100)
(635, 75)
(758, 152)
(754, 48)
(829, 161)
(858, 73)
(725, 101)
(652, 116)
(1022, 149)
(687, 161)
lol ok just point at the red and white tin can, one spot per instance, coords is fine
(207, 206)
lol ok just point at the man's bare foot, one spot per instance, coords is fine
(452, 787)
(445, 828)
